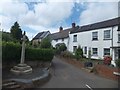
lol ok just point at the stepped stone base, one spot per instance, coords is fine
(21, 69)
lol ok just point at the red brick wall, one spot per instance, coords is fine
(107, 72)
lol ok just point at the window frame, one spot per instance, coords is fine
(56, 40)
(95, 36)
(62, 39)
(85, 50)
(106, 36)
(75, 38)
(93, 52)
(107, 52)
(74, 48)
(118, 38)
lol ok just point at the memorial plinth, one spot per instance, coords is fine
(22, 68)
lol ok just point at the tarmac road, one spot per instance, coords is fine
(65, 75)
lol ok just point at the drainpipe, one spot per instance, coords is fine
(112, 38)
(112, 49)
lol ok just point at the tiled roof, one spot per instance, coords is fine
(40, 35)
(103, 24)
(62, 34)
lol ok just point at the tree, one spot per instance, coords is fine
(60, 47)
(79, 53)
(6, 36)
(16, 31)
(45, 43)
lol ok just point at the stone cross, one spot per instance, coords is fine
(23, 49)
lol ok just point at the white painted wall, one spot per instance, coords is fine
(60, 41)
(85, 39)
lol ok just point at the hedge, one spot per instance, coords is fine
(12, 52)
(39, 54)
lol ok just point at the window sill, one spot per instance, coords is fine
(95, 55)
(94, 40)
(74, 41)
(107, 39)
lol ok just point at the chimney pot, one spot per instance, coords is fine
(73, 25)
(60, 29)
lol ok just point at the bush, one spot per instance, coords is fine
(12, 52)
(60, 47)
(39, 54)
(67, 54)
(107, 60)
(79, 53)
(45, 43)
(118, 63)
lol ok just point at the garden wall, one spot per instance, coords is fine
(107, 72)
(100, 69)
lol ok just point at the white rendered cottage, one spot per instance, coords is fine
(102, 38)
(62, 36)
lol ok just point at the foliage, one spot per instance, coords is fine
(11, 52)
(39, 54)
(16, 31)
(107, 60)
(118, 62)
(78, 53)
(6, 36)
(67, 54)
(45, 43)
(60, 47)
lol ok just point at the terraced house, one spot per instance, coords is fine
(102, 38)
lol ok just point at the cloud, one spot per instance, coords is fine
(47, 14)
(96, 12)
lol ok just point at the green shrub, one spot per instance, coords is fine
(60, 47)
(118, 62)
(12, 52)
(67, 54)
(45, 43)
(39, 54)
(78, 53)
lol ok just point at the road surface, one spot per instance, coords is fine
(65, 75)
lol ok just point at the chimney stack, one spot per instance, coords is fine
(73, 25)
(60, 29)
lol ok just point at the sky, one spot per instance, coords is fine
(35, 16)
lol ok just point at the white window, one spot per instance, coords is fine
(118, 37)
(74, 48)
(94, 35)
(94, 51)
(56, 40)
(106, 51)
(62, 39)
(85, 50)
(75, 38)
(107, 34)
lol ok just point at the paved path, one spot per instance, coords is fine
(65, 75)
